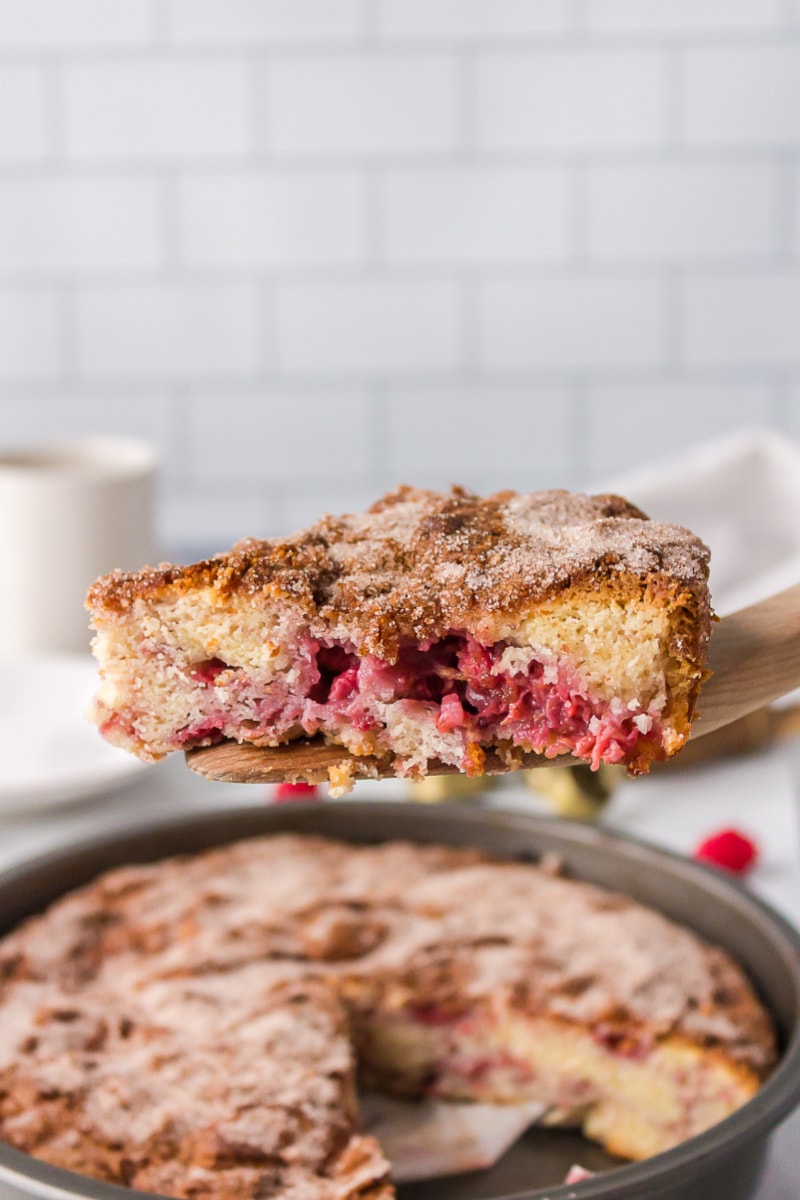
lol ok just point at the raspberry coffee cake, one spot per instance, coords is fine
(432, 627)
(192, 1028)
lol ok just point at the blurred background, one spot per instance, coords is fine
(311, 248)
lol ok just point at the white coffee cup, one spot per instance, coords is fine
(69, 511)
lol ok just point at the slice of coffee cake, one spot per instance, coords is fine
(432, 627)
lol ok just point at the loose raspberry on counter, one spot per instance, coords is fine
(291, 793)
(729, 850)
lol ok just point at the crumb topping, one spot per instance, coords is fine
(419, 563)
(185, 1027)
(490, 927)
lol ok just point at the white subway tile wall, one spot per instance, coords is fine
(734, 319)
(507, 436)
(470, 18)
(362, 326)
(626, 419)
(679, 16)
(364, 103)
(276, 420)
(598, 98)
(315, 248)
(794, 415)
(52, 415)
(679, 211)
(63, 24)
(566, 324)
(31, 335)
(301, 218)
(483, 215)
(168, 330)
(746, 95)
(24, 114)
(163, 109)
(103, 224)
(261, 22)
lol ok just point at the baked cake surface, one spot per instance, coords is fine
(190, 1027)
(430, 627)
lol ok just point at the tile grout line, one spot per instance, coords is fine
(577, 17)
(268, 350)
(369, 23)
(578, 408)
(673, 299)
(180, 433)
(55, 109)
(579, 222)
(784, 218)
(537, 274)
(790, 14)
(297, 383)
(642, 156)
(373, 185)
(273, 502)
(465, 100)
(468, 315)
(169, 231)
(675, 107)
(258, 125)
(379, 445)
(575, 36)
(782, 400)
(68, 333)
(161, 31)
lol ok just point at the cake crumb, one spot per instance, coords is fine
(340, 780)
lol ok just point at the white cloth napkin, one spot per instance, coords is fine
(741, 495)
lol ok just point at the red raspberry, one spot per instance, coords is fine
(729, 850)
(290, 793)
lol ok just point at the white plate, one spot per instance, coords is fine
(49, 751)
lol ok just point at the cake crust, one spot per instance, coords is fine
(188, 1027)
(420, 563)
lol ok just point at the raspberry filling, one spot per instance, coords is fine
(465, 694)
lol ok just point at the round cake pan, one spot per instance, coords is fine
(722, 1164)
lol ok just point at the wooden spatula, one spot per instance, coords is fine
(755, 657)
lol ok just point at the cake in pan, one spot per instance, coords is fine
(430, 628)
(194, 1028)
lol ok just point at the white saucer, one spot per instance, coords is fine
(50, 753)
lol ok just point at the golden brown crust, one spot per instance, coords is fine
(311, 905)
(419, 564)
(192, 1087)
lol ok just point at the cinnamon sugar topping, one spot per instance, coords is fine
(419, 563)
(183, 1027)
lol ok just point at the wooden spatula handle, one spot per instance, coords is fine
(310, 760)
(755, 657)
